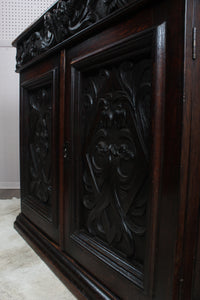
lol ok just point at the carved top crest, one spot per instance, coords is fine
(64, 19)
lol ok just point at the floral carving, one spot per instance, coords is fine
(116, 177)
(113, 151)
(40, 129)
(65, 19)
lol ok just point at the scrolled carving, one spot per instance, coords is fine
(60, 19)
(65, 19)
(40, 185)
(116, 177)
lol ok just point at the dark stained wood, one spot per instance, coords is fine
(110, 169)
(157, 147)
(170, 195)
(39, 145)
(64, 20)
(83, 65)
(61, 144)
(192, 210)
(186, 131)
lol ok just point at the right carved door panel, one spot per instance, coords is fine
(112, 211)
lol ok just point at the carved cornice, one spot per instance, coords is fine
(63, 20)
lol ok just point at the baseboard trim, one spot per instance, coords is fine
(9, 185)
(77, 280)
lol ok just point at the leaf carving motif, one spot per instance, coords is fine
(65, 19)
(116, 180)
(39, 145)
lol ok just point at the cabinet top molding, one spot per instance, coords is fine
(64, 20)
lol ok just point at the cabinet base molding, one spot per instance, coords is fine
(78, 281)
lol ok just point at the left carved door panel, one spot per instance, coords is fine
(39, 141)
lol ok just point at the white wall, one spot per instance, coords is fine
(15, 16)
(9, 120)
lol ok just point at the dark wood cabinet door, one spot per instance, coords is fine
(39, 141)
(115, 92)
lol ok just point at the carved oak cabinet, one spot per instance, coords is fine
(110, 151)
